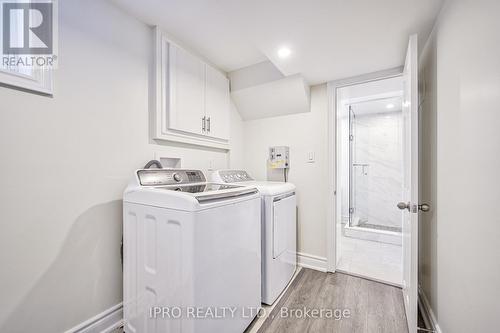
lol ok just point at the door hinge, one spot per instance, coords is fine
(351, 137)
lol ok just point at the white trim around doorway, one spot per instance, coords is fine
(333, 213)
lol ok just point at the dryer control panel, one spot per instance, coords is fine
(232, 176)
(161, 177)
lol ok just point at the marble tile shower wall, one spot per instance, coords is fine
(378, 187)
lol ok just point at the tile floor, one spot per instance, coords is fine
(375, 260)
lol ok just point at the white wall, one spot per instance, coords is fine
(303, 133)
(236, 156)
(377, 187)
(460, 256)
(64, 164)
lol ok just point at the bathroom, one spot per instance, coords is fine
(370, 167)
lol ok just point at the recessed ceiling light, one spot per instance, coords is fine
(390, 106)
(284, 52)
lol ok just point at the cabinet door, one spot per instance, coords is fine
(217, 104)
(187, 91)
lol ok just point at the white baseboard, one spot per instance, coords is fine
(311, 261)
(104, 322)
(428, 313)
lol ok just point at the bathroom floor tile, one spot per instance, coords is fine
(371, 259)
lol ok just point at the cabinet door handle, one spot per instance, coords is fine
(208, 124)
(203, 124)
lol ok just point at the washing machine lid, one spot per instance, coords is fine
(181, 190)
(199, 188)
(204, 192)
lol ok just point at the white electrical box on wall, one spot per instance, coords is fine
(279, 157)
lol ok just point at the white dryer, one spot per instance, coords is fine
(191, 251)
(279, 230)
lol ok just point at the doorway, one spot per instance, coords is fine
(370, 179)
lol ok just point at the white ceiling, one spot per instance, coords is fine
(329, 39)
(373, 96)
(378, 106)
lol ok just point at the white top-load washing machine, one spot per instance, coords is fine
(279, 230)
(192, 256)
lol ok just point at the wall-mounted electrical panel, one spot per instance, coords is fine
(279, 157)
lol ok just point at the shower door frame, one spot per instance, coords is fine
(351, 171)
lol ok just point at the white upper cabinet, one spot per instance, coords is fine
(187, 89)
(217, 104)
(192, 98)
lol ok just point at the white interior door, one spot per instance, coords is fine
(409, 205)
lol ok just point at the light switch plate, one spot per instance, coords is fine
(310, 157)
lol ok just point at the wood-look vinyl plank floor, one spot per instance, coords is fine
(373, 307)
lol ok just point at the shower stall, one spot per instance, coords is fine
(375, 164)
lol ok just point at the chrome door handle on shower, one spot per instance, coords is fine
(404, 205)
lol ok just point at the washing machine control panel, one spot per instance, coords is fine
(161, 177)
(232, 176)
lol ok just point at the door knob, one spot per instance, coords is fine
(404, 205)
(424, 207)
